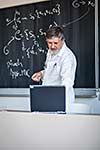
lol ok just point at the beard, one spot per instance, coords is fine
(54, 51)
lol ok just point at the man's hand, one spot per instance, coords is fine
(37, 76)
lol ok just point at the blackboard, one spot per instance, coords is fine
(22, 40)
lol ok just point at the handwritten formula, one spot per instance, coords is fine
(25, 43)
(24, 36)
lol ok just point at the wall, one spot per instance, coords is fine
(10, 3)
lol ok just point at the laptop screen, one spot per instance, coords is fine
(47, 98)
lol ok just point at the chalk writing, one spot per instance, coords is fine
(10, 63)
(78, 3)
(26, 35)
(17, 19)
(19, 36)
(5, 49)
(37, 14)
(20, 73)
(29, 39)
(17, 69)
(42, 32)
(78, 19)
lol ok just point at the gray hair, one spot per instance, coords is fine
(55, 31)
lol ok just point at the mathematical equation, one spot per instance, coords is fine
(17, 19)
(20, 71)
(28, 39)
(78, 3)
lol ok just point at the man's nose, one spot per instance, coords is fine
(52, 45)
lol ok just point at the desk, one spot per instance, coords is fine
(30, 131)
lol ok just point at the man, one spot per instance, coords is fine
(60, 65)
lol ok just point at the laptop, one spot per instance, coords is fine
(49, 99)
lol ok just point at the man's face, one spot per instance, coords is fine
(55, 44)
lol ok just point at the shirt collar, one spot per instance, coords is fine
(61, 50)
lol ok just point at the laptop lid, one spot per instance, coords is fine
(47, 98)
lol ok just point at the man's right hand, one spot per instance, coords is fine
(37, 76)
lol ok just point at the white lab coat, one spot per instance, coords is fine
(60, 70)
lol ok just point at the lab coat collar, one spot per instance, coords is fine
(60, 53)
